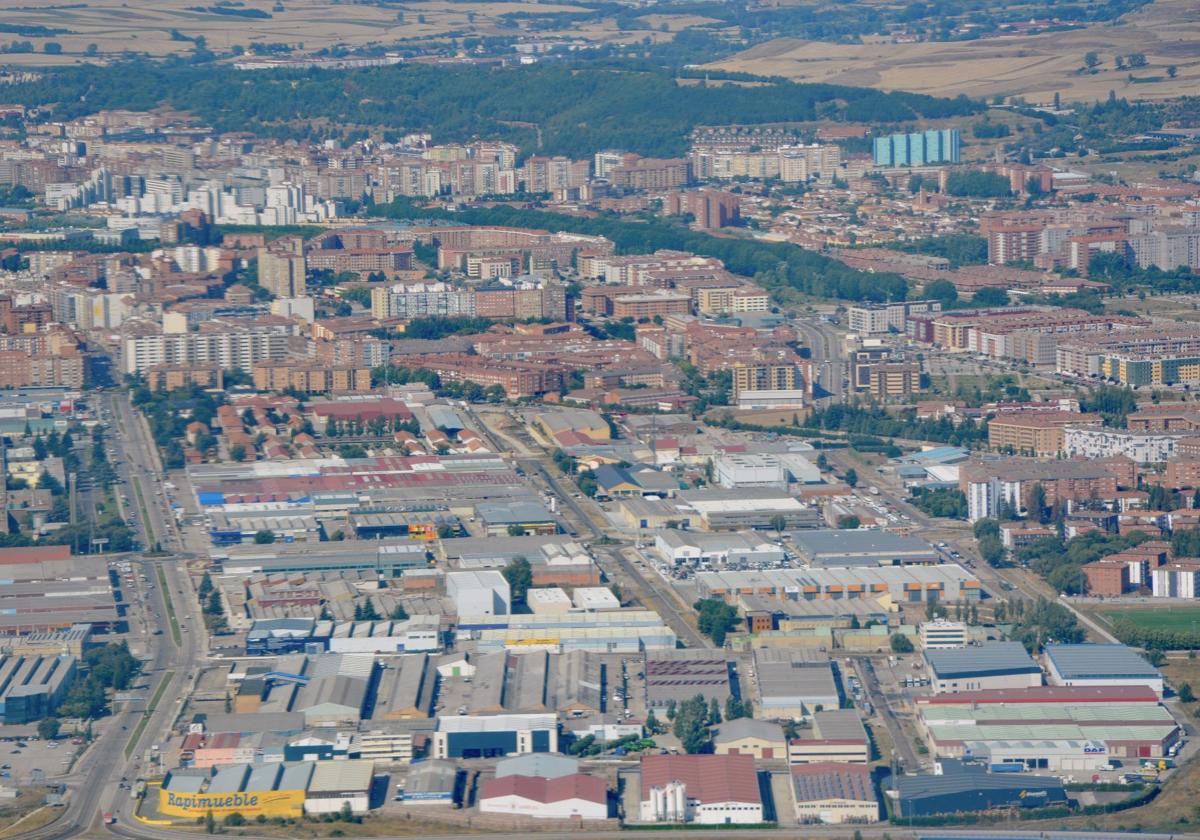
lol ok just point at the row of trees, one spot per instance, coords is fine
(572, 109)
(782, 268)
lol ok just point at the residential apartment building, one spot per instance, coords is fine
(893, 379)
(309, 378)
(874, 318)
(282, 268)
(421, 300)
(993, 486)
(783, 376)
(1040, 434)
(1098, 442)
(240, 349)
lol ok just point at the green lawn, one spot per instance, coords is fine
(1179, 619)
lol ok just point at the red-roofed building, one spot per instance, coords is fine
(704, 789)
(833, 793)
(577, 795)
(34, 554)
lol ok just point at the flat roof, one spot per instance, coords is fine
(1099, 661)
(858, 542)
(335, 776)
(991, 659)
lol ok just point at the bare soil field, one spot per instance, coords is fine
(145, 26)
(1167, 32)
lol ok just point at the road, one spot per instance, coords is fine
(829, 358)
(94, 782)
(609, 547)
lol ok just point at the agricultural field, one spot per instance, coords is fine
(147, 26)
(1032, 66)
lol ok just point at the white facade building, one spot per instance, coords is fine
(479, 593)
(943, 634)
(1142, 447)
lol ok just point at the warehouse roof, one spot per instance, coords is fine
(709, 778)
(574, 786)
(1099, 661)
(496, 723)
(337, 776)
(839, 725)
(739, 728)
(858, 542)
(544, 765)
(826, 780)
(1045, 694)
(991, 659)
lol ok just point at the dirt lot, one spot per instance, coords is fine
(1033, 66)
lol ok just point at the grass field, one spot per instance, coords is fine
(1181, 619)
(1033, 66)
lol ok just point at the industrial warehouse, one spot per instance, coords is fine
(269, 790)
(1057, 729)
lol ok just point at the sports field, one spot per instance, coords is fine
(1178, 619)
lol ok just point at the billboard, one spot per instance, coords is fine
(249, 803)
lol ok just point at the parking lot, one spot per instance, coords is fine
(22, 759)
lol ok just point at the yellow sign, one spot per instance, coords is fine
(250, 803)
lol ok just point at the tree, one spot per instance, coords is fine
(901, 644)
(1185, 693)
(714, 712)
(399, 613)
(264, 538)
(850, 522)
(851, 477)
(237, 452)
(990, 296)
(992, 551)
(210, 823)
(1137, 60)
(1037, 504)
(1091, 60)
(519, 575)
(652, 723)
(1172, 70)
(778, 523)
(942, 290)
(691, 727)
(715, 619)
(48, 728)
(515, 530)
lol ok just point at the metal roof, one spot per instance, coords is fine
(336, 776)
(991, 659)
(1099, 662)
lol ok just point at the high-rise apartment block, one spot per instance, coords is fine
(282, 267)
(919, 148)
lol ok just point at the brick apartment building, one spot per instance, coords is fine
(1040, 434)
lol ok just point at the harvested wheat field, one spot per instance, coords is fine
(1033, 66)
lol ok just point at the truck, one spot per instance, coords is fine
(873, 490)
(1008, 767)
(109, 819)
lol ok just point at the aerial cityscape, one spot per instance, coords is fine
(743, 419)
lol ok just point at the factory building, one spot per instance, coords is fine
(792, 684)
(904, 584)
(959, 788)
(1053, 728)
(31, 687)
(471, 736)
(479, 593)
(992, 665)
(840, 548)
(702, 789)
(1100, 665)
(833, 794)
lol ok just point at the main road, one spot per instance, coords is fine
(94, 783)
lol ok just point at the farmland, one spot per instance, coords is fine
(1032, 66)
